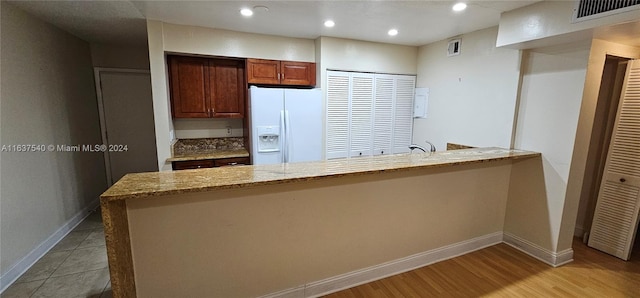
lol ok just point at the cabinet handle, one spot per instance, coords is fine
(278, 76)
(199, 167)
(623, 180)
(232, 163)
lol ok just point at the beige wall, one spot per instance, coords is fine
(207, 128)
(48, 97)
(472, 96)
(550, 98)
(119, 56)
(550, 22)
(217, 42)
(160, 92)
(577, 193)
(255, 241)
(356, 55)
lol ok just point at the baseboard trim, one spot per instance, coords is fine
(553, 259)
(32, 257)
(296, 292)
(578, 231)
(362, 276)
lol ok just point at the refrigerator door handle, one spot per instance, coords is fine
(283, 139)
(287, 127)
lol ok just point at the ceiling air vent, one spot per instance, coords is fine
(591, 9)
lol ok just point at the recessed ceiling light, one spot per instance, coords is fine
(459, 6)
(246, 12)
(329, 23)
(260, 8)
(393, 32)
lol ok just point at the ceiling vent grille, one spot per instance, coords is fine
(587, 9)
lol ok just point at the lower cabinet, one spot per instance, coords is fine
(209, 163)
(231, 161)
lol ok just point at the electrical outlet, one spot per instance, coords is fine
(228, 130)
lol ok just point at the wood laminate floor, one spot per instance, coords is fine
(502, 271)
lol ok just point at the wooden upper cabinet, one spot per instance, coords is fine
(263, 71)
(228, 88)
(189, 87)
(298, 73)
(206, 87)
(274, 72)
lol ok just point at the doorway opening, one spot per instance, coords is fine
(613, 76)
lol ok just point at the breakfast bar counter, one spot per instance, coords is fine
(300, 229)
(140, 185)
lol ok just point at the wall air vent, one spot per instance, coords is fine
(453, 47)
(591, 9)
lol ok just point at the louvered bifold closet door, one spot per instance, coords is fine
(361, 126)
(383, 114)
(403, 120)
(616, 215)
(338, 90)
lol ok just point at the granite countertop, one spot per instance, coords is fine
(140, 185)
(209, 154)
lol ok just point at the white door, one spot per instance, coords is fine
(403, 113)
(361, 117)
(383, 114)
(616, 216)
(303, 110)
(338, 93)
(267, 117)
(126, 112)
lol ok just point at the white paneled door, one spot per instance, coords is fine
(403, 116)
(361, 115)
(368, 114)
(383, 113)
(337, 122)
(616, 216)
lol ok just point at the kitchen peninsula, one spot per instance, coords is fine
(302, 229)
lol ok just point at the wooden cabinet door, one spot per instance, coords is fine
(193, 164)
(298, 73)
(263, 71)
(236, 161)
(189, 87)
(228, 88)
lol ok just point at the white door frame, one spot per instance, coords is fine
(97, 71)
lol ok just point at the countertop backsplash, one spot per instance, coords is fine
(187, 146)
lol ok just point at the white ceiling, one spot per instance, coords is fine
(419, 22)
(111, 22)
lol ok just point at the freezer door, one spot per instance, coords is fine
(266, 106)
(303, 112)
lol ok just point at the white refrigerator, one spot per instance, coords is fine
(286, 125)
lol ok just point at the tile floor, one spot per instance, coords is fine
(75, 267)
